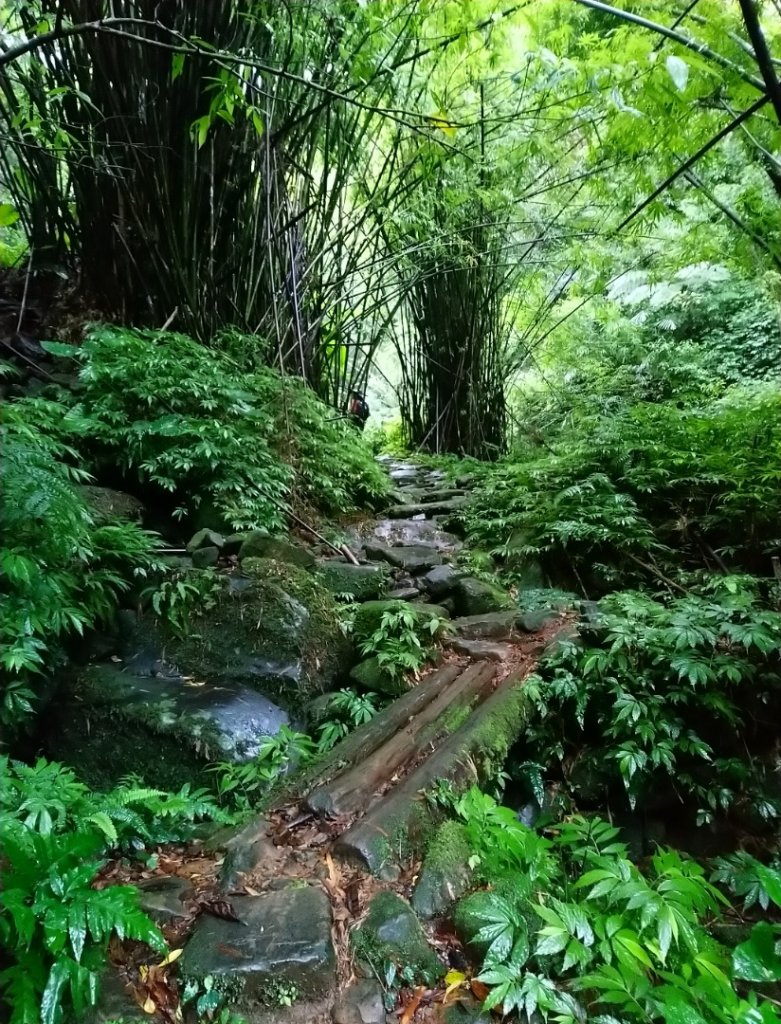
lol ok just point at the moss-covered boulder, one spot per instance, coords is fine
(274, 627)
(205, 538)
(445, 875)
(392, 933)
(106, 504)
(477, 597)
(166, 729)
(258, 544)
(361, 582)
(370, 675)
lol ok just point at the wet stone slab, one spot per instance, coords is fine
(405, 532)
(414, 558)
(281, 936)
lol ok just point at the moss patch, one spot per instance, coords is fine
(362, 582)
(445, 875)
(275, 627)
(371, 676)
(392, 933)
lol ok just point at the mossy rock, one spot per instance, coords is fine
(446, 873)
(274, 628)
(109, 722)
(369, 615)
(392, 933)
(108, 504)
(476, 597)
(370, 675)
(258, 544)
(361, 582)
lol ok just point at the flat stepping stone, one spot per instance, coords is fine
(427, 509)
(363, 582)
(171, 723)
(403, 594)
(427, 495)
(280, 936)
(487, 627)
(414, 558)
(404, 533)
(482, 650)
(441, 580)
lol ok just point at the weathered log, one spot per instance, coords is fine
(355, 790)
(403, 818)
(366, 738)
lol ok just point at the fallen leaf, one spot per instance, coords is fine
(149, 1006)
(173, 955)
(413, 1005)
(479, 990)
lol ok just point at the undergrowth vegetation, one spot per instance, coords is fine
(641, 491)
(665, 696)
(571, 929)
(55, 924)
(63, 569)
(191, 422)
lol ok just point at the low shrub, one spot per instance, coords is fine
(189, 421)
(665, 695)
(572, 930)
(63, 570)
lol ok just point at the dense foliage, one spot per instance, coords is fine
(189, 421)
(55, 925)
(575, 931)
(636, 490)
(63, 568)
(666, 695)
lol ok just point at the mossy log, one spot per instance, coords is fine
(367, 738)
(399, 824)
(355, 790)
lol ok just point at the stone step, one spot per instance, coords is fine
(429, 509)
(502, 625)
(481, 650)
(403, 533)
(414, 558)
(281, 943)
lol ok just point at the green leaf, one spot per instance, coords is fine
(756, 958)
(8, 215)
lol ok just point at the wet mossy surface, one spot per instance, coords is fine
(274, 628)
(392, 933)
(445, 875)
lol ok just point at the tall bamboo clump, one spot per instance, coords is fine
(197, 165)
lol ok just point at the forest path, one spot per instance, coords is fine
(343, 853)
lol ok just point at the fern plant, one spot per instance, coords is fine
(49, 799)
(404, 640)
(55, 927)
(347, 709)
(63, 572)
(181, 596)
(191, 421)
(241, 784)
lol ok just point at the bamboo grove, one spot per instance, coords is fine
(331, 177)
